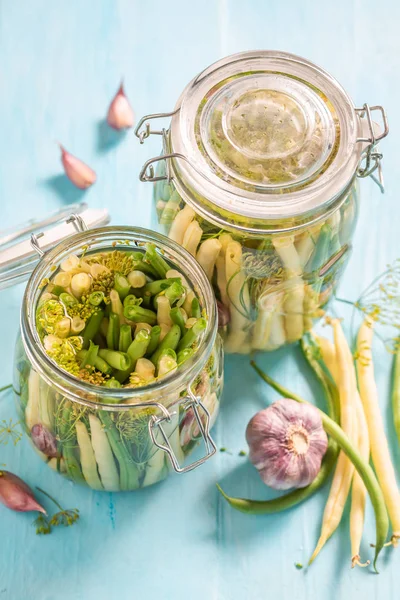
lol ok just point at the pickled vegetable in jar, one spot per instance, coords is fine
(118, 366)
(259, 181)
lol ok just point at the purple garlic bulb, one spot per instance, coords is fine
(44, 440)
(287, 443)
(16, 495)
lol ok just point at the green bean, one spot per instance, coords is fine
(177, 318)
(155, 287)
(103, 366)
(112, 383)
(96, 298)
(167, 352)
(319, 257)
(122, 285)
(92, 327)
(113, 332)
(171, 340)
(154, 339)
(184, 355)
(116, 360)
(266, 507)
(396, 393)
(195, 309)
(138, 347)
(140, 315)
(100, 340)
(312, 354)
(136, 350)
(364, 470)
(140, 265)
(68, 300)
(128, 471)
(125, 338)
(192, 334)
(132, 300)
(153, 258)
(58, 290)
(68, 442)
(175, 292)
(90, 355)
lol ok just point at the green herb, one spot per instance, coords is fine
(65, 517)
(42, 525)
(9, 430)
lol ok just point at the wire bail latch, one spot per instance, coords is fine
(371, 159)
(203, 421)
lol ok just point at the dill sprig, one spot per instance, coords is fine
(9, 431)
(381, 302)
(134, 430)
(117, 261)
(65, 517)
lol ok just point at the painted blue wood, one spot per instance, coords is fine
(61, 63)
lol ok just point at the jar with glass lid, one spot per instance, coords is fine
(258, 179)
(85, 423)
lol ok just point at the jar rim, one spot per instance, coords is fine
(240, 206)
(89, 394)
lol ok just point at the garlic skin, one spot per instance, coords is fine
(16, 495)
(76, 170)
(287, 443)
(120, 114)
(44, 440)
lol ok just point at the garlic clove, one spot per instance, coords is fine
(120, 114)
(17, 495)
(44, 440)
(287, 443)
(76, 170)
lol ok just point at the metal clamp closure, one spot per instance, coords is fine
(77, 221)
(142, 134)
(147, 172)
(194, 403)
(371, 160)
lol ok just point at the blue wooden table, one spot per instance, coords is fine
(60, 64)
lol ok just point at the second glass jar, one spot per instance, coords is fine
(259, 181)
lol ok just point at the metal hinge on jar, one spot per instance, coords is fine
(371, 159)
(192, 403)
(142, 131)
(20, 246)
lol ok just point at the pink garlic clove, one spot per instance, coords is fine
(120, 114)
(287, 443)
(44, 440)
(17, 495)
(76, 170)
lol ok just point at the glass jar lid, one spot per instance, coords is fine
(263, 137)
(22, 247)
(265, 131)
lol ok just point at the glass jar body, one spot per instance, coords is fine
(117, 439)
(110, 450)
(271, 286)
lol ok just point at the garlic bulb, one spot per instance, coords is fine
(287, 443)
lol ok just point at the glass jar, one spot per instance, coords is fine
(259, 180)
(117, 439)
